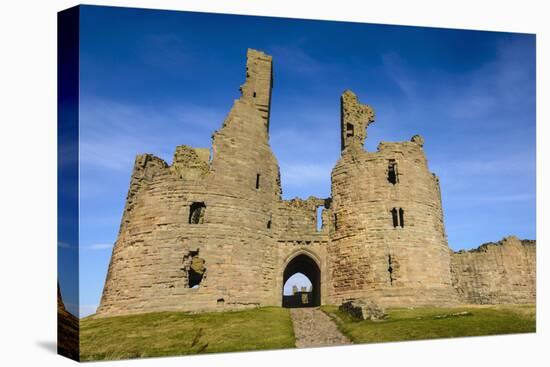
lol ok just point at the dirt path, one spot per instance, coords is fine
(313, 328)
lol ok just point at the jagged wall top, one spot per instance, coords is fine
(259, 82)
(355, 118)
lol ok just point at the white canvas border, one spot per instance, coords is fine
(28, 185)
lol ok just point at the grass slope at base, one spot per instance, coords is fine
(177, 333)
(431, 323)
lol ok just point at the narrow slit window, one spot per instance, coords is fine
(401, 219)
(394, 217)
(335, 221)
(392, 172)
(254, 95)
(349, 130)
(390, 269)
(196, 213)
(258, 181)
(319, 218)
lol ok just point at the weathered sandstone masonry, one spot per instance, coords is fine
(210, 231)
(388, 222)
(502, 272)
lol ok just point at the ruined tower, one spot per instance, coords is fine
(387, 241)
(212, 232)
(194, 234)
(354, 120)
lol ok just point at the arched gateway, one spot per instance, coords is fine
(306, 265)
(182, 227)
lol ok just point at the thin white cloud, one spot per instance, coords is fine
(302, 174)
(500, 86)
(501, 198)
(295, 59)
(100, 246)
(514, 162)
(399, 72)
(113, 133)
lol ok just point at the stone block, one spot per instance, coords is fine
(363, 309)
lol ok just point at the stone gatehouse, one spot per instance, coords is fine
(212, 232)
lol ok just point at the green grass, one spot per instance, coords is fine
(173, 333)
(422, 323)
(177, 333)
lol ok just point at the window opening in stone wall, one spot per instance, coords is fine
(319, 213)
(390, 269)
(392, 172)
(258, 181)
(196, 213)
(195, 267)
(335, 221)
(349, 130)
(398, 217)
(394, 217)
(254, 94)
(269, 222)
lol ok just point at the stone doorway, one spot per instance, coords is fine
(305, 265)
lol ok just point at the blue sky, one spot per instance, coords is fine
(152, 80)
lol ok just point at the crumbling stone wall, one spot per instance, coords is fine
(298, 216)
(210, 231)
(501, 272)
(296, 233)
(355, 117)
(239, 188)
(191, 163)
(387, 241)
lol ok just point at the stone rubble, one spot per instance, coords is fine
(363, 309)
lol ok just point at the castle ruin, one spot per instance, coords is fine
(212, 232)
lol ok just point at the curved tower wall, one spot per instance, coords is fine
(403, 265)
(211, 231)
(231, 246)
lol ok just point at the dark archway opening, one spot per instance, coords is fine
(303, 298)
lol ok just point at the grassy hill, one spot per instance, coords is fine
(430, 323)
(177, 333)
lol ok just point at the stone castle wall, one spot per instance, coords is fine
(235, 192)
(211, 231)
(388, 222)
(502, 272)
(296, 233)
